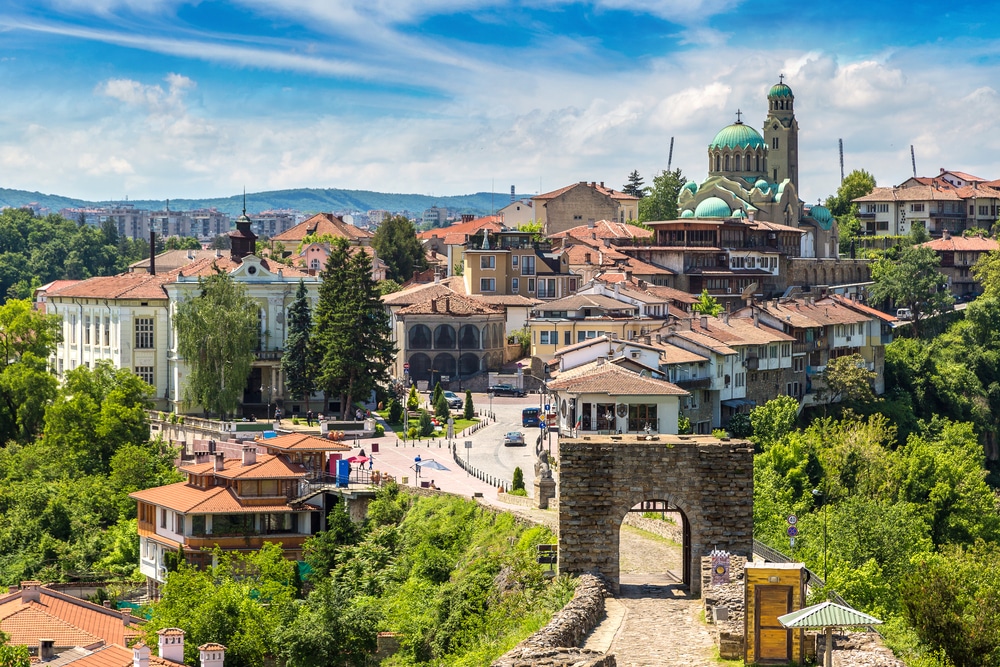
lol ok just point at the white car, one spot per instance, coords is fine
(904, 314)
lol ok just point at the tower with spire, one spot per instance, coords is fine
(781, 134)
(243, 241)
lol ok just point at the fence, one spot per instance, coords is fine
(492, 480)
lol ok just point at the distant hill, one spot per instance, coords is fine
(307, 200)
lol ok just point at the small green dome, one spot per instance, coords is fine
(713, 207)
(687, 213)
(737, 135)
(692, 186)
(821, 214)
(761, 185)
(738, 213)
(780, 90)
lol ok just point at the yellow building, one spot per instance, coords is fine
(575, 319)
(513, 263)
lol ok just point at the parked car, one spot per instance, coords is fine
(454, 402)
(505, 390)
(904, 314)
(513, 439)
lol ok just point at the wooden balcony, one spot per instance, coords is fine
(255, 541)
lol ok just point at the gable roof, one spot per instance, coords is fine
(322, 224)
(457, 233)
(580, 301)
(302, 442)
(268, 466)
(614, 380)
(603, 229)
(62, 617)
(610, 192)
(139, 285)
(186, 499)
(963, 244)
(450, 304)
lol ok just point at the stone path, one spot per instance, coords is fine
(653, 622)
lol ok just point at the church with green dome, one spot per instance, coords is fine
(755, 176)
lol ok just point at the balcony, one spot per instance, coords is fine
(694, 383)
(268, 355)
(254, 541)
(810, 346)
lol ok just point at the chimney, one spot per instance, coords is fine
(601, 360)
(172, 644)
(648, 340)
(593, 184)
(220, 461)
(46, 649)
(602, 184)
(140, 655)
(704, 321)
(249, 458)
(106, 604)
(725, 317)
(190, 254)
(945, 234)
(618, 290)
(590, 223)
(434, 306)
(212, 655)
(642, 284)
(218, 253)
(30, 591)
(756, 317)
(152, 252)
(468, 217)
(586, 258)
(126, 617)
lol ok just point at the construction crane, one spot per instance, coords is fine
(670, 155)
(913, 161)
(841, 141)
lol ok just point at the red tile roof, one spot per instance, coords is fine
(268, 466)
(912, 193)
(186, 499)
(209, 265)
(137, 285)
(450, 304)
(63, 618)
(614, 380)
(302, 442)
(462, 230)
(611, 192)
(604, 229)
(322, 224)
(963, 244)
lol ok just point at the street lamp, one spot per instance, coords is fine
(490, 394)
(820, 497)
(270, 391)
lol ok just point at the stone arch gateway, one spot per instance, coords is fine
(601, 479)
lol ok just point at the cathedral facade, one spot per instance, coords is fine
(755, 176)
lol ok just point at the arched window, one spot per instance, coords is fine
(727, 163)
(468, 337)
(468, 364)
(419, 337)
(444, 364)
(737, 166)
(757, 163)
(420, 366)
(774, 142)
(717, 165)
(444, 337)
(314, 264)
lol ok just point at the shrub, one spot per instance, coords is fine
(426, 427)
(379, 430)
(441, 407)
(438, 392)
(395, 411)
(412, 433)
(517, 492)
(684, 425)
(720, 433)
(412, 399)
(296, 421)
(740, 426)
(468, 409)
(517, 482)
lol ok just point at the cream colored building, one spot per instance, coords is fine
(582, 203)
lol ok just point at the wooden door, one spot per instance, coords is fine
(773, 641)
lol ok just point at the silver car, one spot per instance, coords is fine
(513, 439)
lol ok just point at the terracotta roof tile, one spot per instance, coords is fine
(603, 229)
(209, 265)
(741, 331)
(493, 223)
(322, 224)
(963, 244)
(137, 285)
(111, 655)
(450, 304)
(579, 301)
(912, 193)
(29, 624)
(299, 442)
(107, 625)
(614, 380)
(268, 466)
(186, 499)
(611, 192)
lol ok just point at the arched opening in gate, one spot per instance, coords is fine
(663, 559)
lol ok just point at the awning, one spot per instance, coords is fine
(826, 615)
(737, 403)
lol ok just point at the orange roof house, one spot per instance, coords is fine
(323, 224)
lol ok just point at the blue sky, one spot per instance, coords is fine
(170, 99)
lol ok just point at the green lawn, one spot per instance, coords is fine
(460, 424)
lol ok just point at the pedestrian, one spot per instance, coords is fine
(277, 415)
(357, 415)
(309, 417)
(371, 462)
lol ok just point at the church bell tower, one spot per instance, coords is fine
(781, 133)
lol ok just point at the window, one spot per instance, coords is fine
(145, 373)
(774, 352)
(515, 285)
(487, 285)
(572, 284)
(86, 330)
(513, 260)
(984, 210)
(528, 268)
(581, 336)
(578, 217)
(917, 208)
(786, 349)
(163, 518)
(741, 379)
(774, 143)
(178, 523)
(198, 525)
(107, 331)
(314, 264)
(798, 364)
(488, 261)
(531, 284)
(718, 368)
(566, 338)
(641, 417)
(544, 338)
(144, 333)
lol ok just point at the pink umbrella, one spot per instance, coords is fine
(358, 459)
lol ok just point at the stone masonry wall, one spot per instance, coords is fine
(601, 479)
(555, 645)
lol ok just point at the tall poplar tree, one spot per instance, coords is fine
(298, 362)
(351, 333)
(216, 334)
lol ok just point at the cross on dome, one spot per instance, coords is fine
(781, 78)
(738, 114)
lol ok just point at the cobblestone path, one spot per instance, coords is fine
(662, 626)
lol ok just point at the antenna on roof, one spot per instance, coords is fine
(841, 141)
(670, 155)
(913, 161)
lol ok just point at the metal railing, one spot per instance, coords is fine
(492, 480)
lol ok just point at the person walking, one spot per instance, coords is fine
(309, 418)
(277, 416)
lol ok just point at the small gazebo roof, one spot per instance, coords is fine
(826, 615)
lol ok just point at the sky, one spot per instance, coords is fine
(107, 99)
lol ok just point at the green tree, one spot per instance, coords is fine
(441, 410)
(913, 281)
(181, 243)
(856, 184)
(517, 480)
(426, 426)
(661, 201)
(635, 185)
(11, 655)
(707, 304)
(351, 334)
(438, 391)
(298, 361)
(320, 551)
(388, 286)
(397, 245)
(774, 420)
(217, 333)
(848, 379)
(26, 390)
(23, 329)
(951, 600)
(987, 272)
(412, 399)
(469, 410)
(395, 411)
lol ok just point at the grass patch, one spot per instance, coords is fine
(653, 536)
(460, 425)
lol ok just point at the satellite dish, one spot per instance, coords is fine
(749, 290)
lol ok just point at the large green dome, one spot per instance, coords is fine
(780, 90)
(713, 207)
(737, 135)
